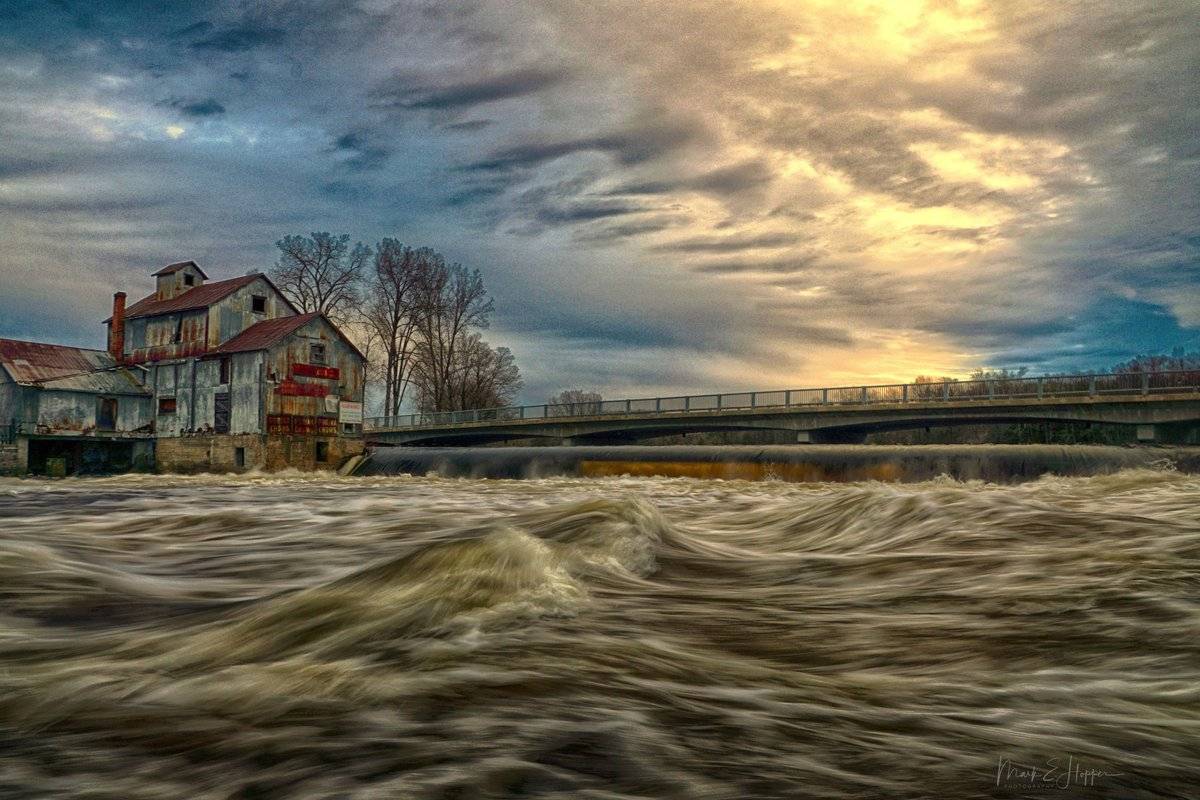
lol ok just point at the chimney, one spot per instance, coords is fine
(116, 330)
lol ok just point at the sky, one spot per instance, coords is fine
(663, 197)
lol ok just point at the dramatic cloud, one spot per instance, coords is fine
(664, 196)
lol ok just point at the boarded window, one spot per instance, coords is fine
(322, 454)
(316, 353)
(226, 369)
(167, 405)
(258, 304)
(221, 408)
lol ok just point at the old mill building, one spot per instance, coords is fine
(200, 375)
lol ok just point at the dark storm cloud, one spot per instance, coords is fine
(361, 151)
(474, 92)
(730, 244)
(687, 178)
(236, 39)
(585, 212)
(469, 125)
(208, 107)
(629, 147)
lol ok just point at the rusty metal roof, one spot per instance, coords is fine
(30, 362)
(178, 265)
(265, 334)
(107, 381)
(202, 296)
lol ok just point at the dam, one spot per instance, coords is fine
(791, 463)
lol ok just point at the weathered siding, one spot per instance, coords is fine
(10, 399)
(194, 384)
(295, 349)
(165, 337)
(77, 412)
(232, 315)
(173, 284)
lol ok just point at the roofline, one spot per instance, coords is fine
(178, 266)
(217, 353)
(52, 344)
(262, 275)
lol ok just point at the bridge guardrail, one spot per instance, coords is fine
(1050, 386)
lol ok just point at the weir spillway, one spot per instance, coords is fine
(793, 463)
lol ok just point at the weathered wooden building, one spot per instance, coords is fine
(70, 410)
(229, 375)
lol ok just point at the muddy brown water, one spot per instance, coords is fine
(300, 636)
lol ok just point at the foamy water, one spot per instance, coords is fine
(317, 637)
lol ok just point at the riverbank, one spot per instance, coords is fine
(794, 463)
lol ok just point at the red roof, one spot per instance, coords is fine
(30, 362)
(178, 265)
(265, 334)
(202, 296)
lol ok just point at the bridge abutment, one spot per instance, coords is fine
(1169, 433)
(831, 436)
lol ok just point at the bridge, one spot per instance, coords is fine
(1162, 406)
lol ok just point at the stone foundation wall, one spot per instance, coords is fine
(218, 452)
(300, 452)
(8, 459)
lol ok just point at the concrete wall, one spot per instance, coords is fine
(217, 453)
(235, 313)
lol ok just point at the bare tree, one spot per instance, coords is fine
(574, 403)
(321, 273)
(452, 302)
(482, 377)
(392, 311)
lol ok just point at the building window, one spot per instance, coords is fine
(258, 304)
(316, 353)
(177, 337)
(189, 279)
(322, 452)
(226, 370)
(166, 405)
(239, 457)
(348, 428)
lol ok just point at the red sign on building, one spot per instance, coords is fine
(291, 388)
(313, 371)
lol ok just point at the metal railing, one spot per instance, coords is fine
(1056, 386)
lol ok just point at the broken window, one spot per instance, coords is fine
(316, 353)
(322, 454)
(258, 304)
(189, 279)
(177, 337)
(239, 456)
(226, 369)
(167, 405)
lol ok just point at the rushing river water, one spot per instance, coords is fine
(397, 637)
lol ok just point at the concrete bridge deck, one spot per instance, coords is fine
(1164, 407)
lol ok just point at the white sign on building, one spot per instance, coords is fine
(351, 413)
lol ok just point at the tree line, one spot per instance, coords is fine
(416, 316)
